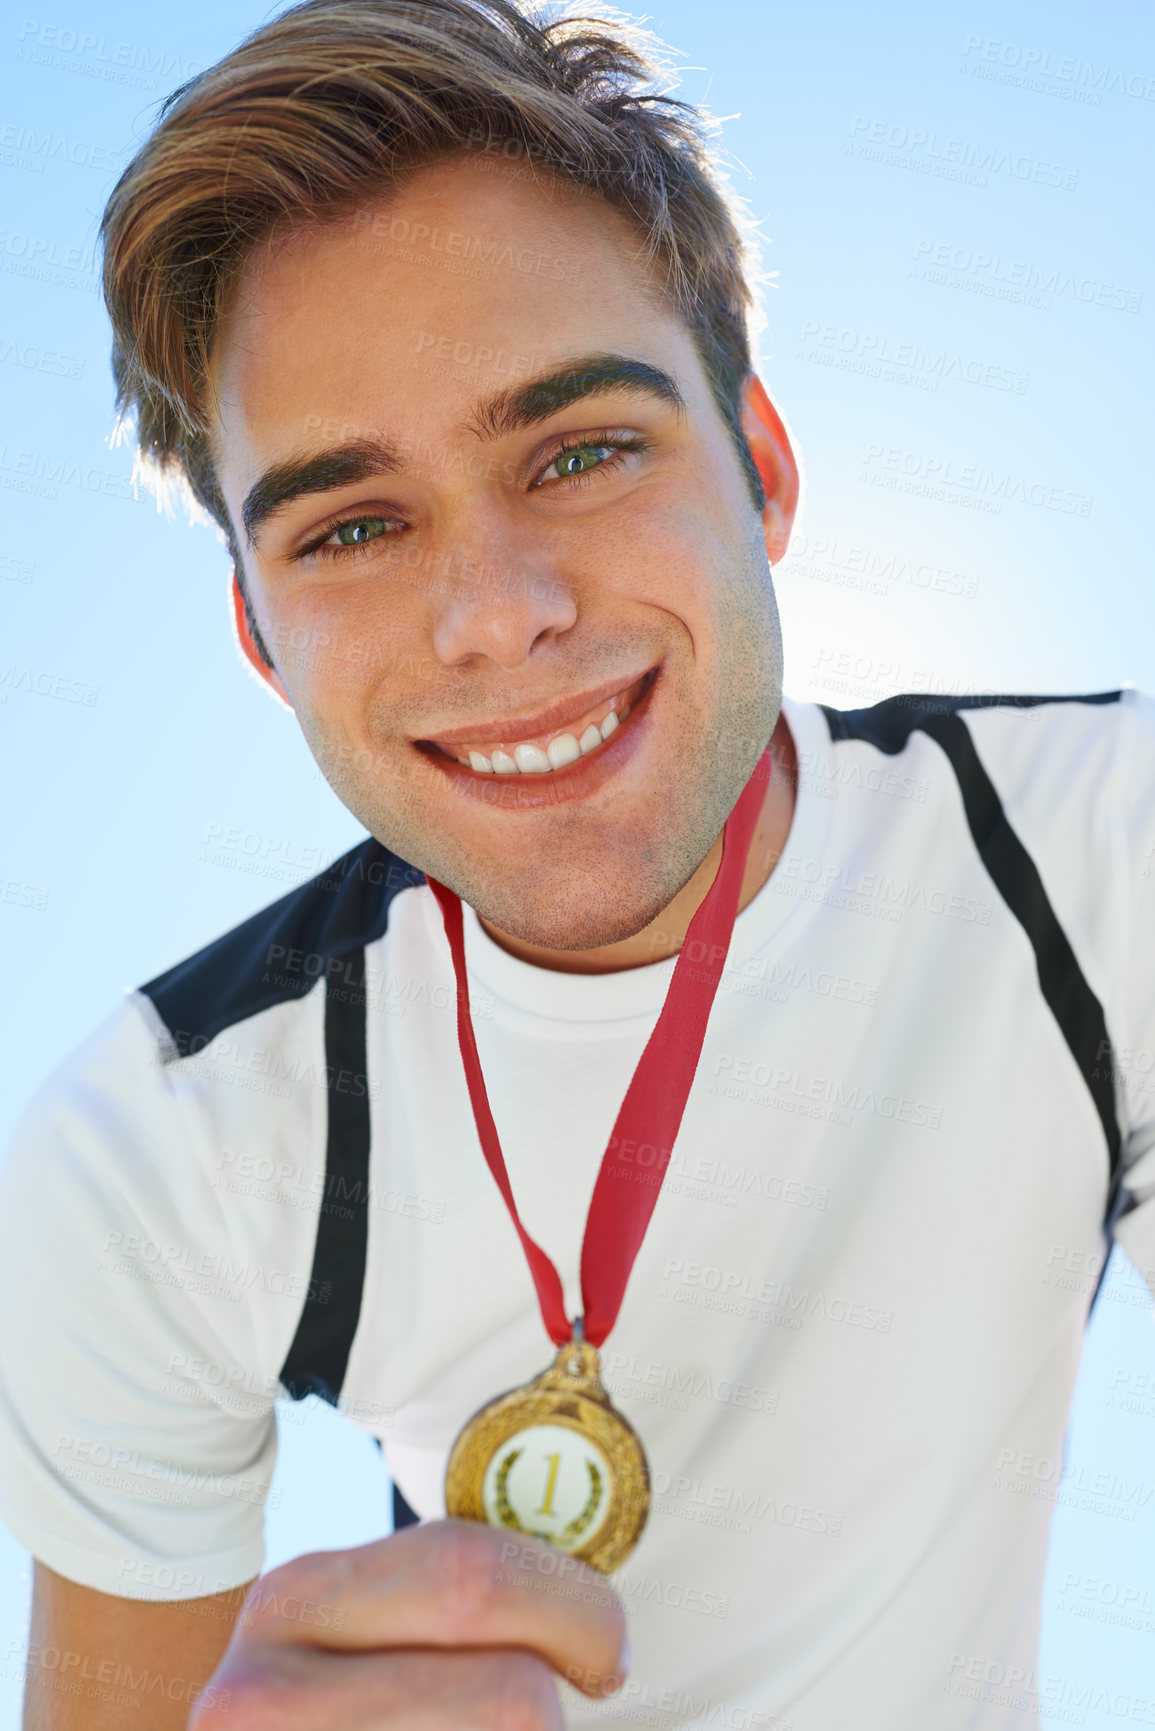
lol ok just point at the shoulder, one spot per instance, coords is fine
(1058, 794)
(891, 726)
(146, 1125)
(1047, 762)
(1072, 777)
(281, 953)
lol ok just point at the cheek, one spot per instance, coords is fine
(747, 647)
(330, 646)
(718, 584)
(327, 691)
(673, 564)
(298, 650)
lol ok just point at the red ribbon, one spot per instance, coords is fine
(655, 1100)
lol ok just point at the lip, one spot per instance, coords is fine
(577, 780)
(555, 718)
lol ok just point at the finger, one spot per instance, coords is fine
(449, 1584)
(301, 1689)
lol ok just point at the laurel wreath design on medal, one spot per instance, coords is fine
(568, 1396)
(572, 1529)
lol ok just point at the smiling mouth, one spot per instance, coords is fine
(545, 754)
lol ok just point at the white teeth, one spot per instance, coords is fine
(562, 750)
(532, 760)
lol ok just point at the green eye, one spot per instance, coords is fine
(364, 529)
(577, 461)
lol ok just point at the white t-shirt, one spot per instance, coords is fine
(851, 1335)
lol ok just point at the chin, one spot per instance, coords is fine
(577, 921)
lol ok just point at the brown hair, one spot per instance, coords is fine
(332, 103)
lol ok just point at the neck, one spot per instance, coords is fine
(665, 935)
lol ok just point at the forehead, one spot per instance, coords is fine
(467, 277)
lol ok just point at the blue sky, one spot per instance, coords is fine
(954, 203)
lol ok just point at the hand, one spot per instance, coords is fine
(451, 1626)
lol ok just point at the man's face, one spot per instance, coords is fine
(466, 565)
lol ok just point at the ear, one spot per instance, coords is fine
(772, 452)
(251, 653)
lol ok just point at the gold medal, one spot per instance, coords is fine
(555, 1460)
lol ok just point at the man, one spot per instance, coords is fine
(442, 318)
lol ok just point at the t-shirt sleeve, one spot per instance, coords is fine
(137, 1425)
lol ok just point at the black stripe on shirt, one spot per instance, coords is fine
(318, 933)
(1074, 1005)
(403, 1515)
(317, 1360)
(280, 954)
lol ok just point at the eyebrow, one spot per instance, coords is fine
(494, 417)
(320, 472)
(510, 410)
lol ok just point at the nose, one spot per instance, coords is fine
(502, 608)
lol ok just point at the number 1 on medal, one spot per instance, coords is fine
(551, 1480)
